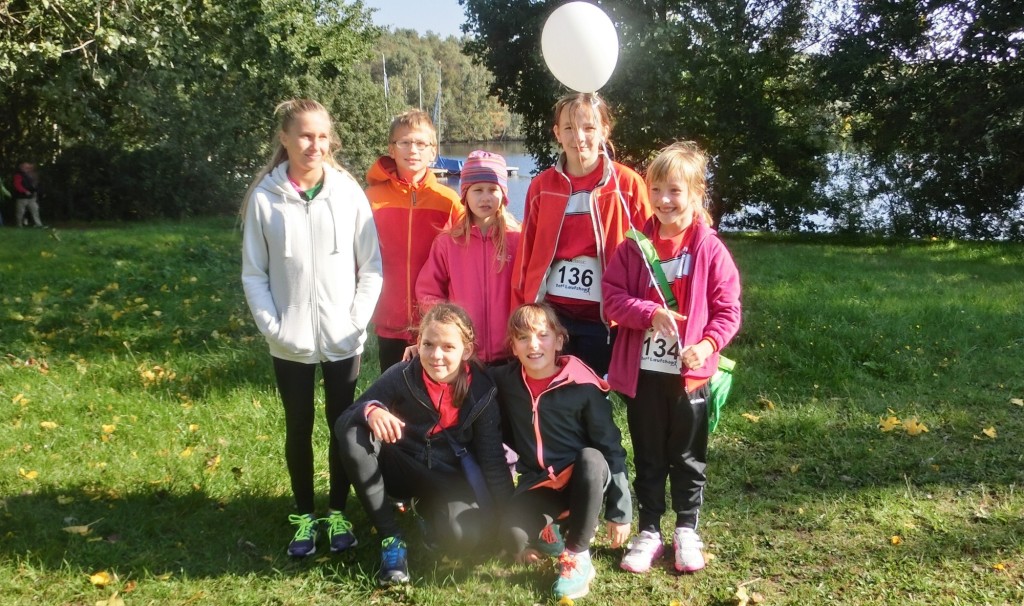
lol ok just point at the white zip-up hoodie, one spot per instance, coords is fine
(311, 270)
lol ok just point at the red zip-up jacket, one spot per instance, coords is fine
(546, 202)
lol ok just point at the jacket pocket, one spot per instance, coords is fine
(295, 330)
(341, 336)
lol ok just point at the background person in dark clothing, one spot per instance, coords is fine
(26, 184)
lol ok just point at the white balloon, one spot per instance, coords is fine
(580, 46)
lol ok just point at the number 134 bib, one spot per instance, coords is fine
(660, 354)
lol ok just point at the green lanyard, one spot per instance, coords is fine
(647, 248)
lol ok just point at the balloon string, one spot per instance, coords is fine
(629, 217)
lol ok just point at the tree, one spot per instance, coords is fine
(163, 107)
(418, 64)
(728, 74)
(934, 94)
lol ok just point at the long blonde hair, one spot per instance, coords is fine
(503, 221)
(287, 112)
(687, 162)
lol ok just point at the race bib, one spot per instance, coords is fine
(578, 278)
(660, 354)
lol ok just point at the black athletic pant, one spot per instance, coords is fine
(589, 341)
(296, 382)
(445, 499)
(529, 512)
(389, 352)
(669, 430)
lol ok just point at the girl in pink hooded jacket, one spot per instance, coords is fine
(671, 328)
(470, 264)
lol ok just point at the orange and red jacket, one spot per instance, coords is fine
(408, 216)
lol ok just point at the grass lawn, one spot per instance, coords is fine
(141, 435)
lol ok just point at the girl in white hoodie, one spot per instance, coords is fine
(311, 271)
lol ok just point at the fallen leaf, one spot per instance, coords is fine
(65, 500)
(765, 403)
(27, 475)
(47, 425)
(81, 530)
(113, 600)
(751, 417)
(756, 598)
(888, 423)
(109, 429)
(101, 579)
(1017, 401)
(896, 539)
(914, 427)
(794, 468)
(741, 597)
(999, 566)
(990, 432)
(186, 453)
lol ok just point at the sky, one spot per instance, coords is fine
(443, 17)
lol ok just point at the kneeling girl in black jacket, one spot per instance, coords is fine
(428, 429)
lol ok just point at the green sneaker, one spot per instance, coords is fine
(339, 532)
(550, 541)
(576, 571)
(304, 542)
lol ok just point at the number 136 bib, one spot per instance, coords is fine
(578, 278)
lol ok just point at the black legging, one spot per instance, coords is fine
(445, 499)
(530, 511)
(296, 383)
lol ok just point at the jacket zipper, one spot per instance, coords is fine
(314, 295)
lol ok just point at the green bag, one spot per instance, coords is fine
(720, 384)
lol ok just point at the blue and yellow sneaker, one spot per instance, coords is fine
(394, 564)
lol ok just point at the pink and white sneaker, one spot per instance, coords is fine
(643, 549)
(688, 546)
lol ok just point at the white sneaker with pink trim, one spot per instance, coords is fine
(643, 549)
(688, 546)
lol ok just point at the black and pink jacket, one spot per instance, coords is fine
(574, 412)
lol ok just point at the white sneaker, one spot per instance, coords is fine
(688, 545)
(644, 548)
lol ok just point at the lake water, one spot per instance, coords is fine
(515, 155)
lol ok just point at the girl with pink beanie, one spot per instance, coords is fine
(470, 264)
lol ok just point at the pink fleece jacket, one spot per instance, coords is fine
(468, 275)
(711, 307)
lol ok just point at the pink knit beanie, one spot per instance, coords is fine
(484, 167)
